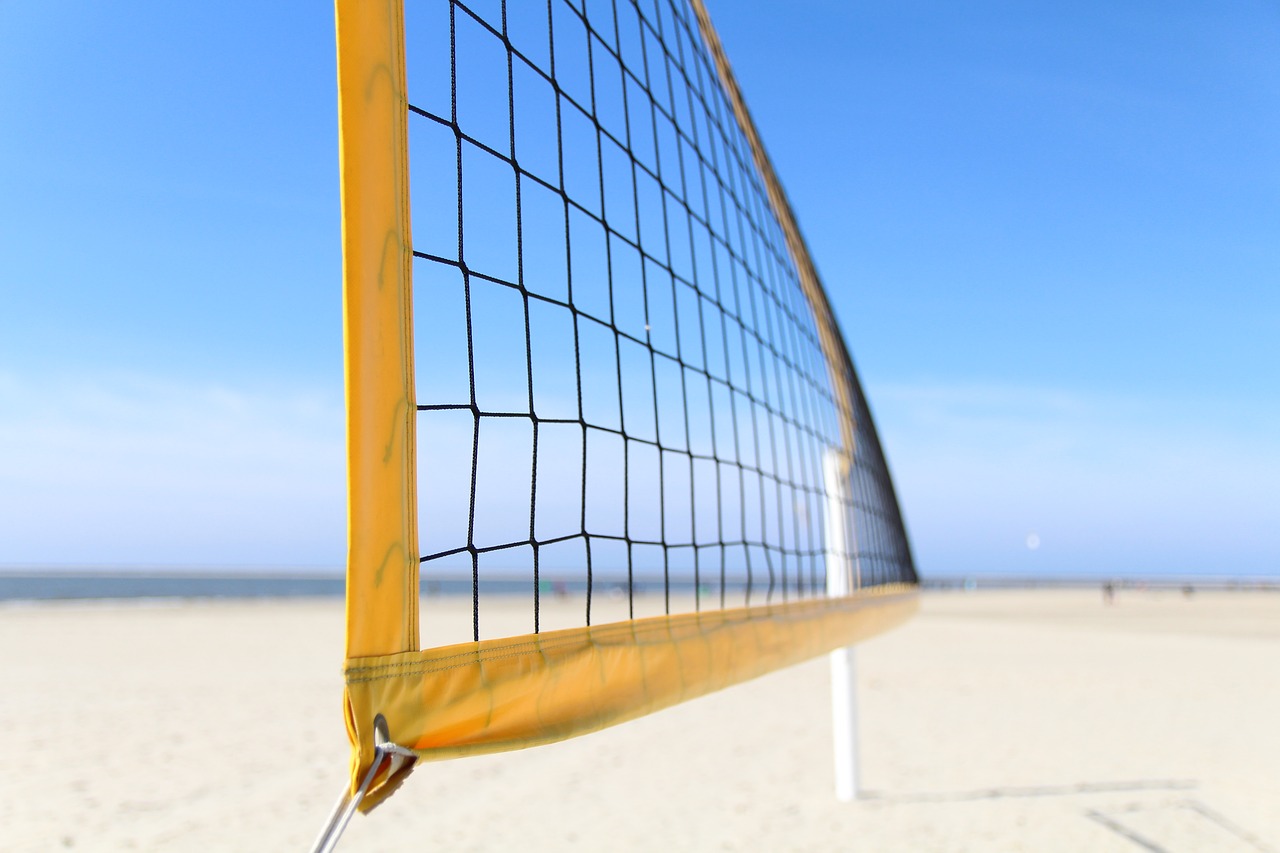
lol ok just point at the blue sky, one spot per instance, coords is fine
(1050, 235)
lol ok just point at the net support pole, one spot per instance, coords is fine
(844, 682)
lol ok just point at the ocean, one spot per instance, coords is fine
(53, 585)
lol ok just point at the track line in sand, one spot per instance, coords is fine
(1183, 825)
(1001, 793)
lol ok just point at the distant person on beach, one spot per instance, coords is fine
(1108, 592)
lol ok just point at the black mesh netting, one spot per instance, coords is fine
(622, 392)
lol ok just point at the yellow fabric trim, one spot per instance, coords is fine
(498, 695)
(382, 524)
(377, 261)
(839, 364)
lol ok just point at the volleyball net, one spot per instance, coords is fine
(588, 359)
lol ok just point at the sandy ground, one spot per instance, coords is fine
(993, 721)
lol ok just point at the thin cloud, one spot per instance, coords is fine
(1110, 484)
(134, 469)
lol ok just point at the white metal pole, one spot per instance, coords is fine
(844, 708)
(844, 682)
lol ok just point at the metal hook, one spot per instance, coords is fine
(348, 803)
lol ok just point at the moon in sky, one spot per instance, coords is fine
(1033, 540)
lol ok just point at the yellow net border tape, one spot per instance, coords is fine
(503, 694)
(833, 346)
(382, 540)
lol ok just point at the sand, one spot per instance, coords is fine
(1007, 720)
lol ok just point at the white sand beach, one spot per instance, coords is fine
(1009, 720)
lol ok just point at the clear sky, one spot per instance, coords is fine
(1051, 234)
